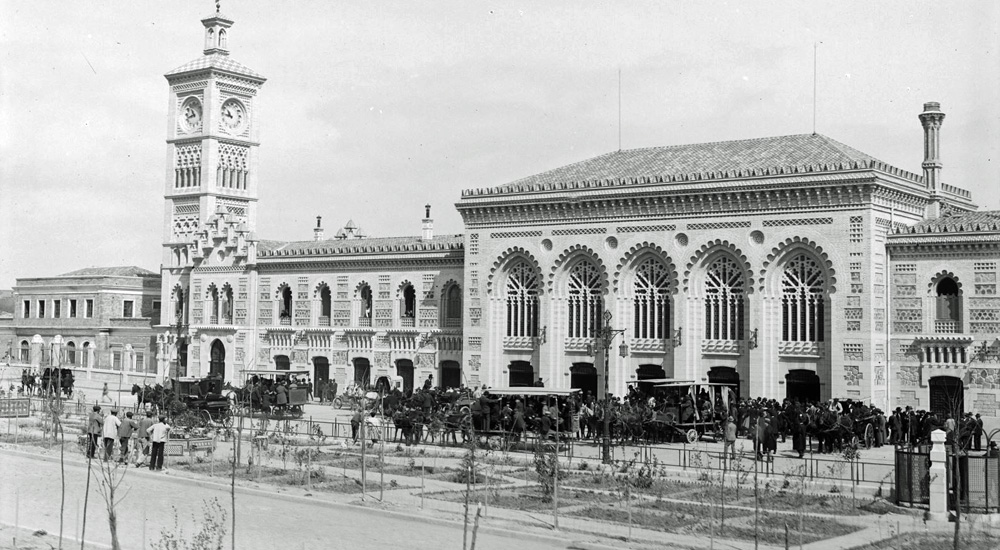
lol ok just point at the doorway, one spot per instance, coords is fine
(522, 374)
(321, 373)
(451, 374)
(727, 376)
(947, 395)
(649, 372)
(217, 361)
(362, 371)
(404, 368)
(281, 362)
(584, 377)
(802, 386)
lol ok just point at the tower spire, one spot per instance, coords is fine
(217, 31)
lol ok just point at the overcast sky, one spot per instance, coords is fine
(372, 109)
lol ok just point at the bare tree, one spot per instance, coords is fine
(110, 476)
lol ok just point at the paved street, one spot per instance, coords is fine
(262, 522)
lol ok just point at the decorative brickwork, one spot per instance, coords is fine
(987, 378)
(908, 398)
(879, 375)
(909, 377)
(581, 231)
(645, 228)
(718, 225)
(797, 221)
(852, 375)
(515, 234)
(854, 352)
(986, 404)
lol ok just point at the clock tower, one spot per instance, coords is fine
(210, 187)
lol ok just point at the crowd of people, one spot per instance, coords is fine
(823, 427)
(136, 441)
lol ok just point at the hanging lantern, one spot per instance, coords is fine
(623, 350)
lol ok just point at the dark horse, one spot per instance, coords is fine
(146, 394)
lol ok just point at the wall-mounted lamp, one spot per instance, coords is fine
(542, 334)
(623, 350)
(677, 337)
(752, 342)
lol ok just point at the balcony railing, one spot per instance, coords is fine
(213, 319)
(406, 322)
(285, 321)
(945, 326)
(365, 322)
(452, 323)
(324, 321)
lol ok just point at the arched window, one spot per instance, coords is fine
(71, 353)
(947, 306)
(222, 39)
(325, 306)
(85, 355)
(586, 306)
(178, 305)
(522, 300)
(210, 39)
(227, 305)
(651, 301)
(213, 310)
(25, 351)
(802, 301)
(408, 307)
(453, 306)
(217, 360)
(724, 300)
(285, 306)
(365, 312)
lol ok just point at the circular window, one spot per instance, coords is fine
(546, 244)
(220, 256)
(611, 243)
(756, 237)
(681, 239)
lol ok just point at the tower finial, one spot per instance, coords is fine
(218, 6)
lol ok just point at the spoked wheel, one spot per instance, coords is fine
(338, 402)
(869, 436)
(692, 435)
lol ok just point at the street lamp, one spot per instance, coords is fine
(605, 336)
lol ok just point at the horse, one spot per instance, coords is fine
(27, 382)
(147, 395)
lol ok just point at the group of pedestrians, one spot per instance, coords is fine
(135, 439)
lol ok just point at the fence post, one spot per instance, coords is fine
(938, 477)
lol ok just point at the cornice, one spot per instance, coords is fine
(221, 138)
(271, 265)
(673, 205)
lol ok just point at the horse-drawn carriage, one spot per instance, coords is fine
(690, 410)
(260, 392)
(204, 397)
(57, 380)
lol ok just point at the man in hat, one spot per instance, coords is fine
(730, 445)
(95, 424)
(111, 425)
(977, 433)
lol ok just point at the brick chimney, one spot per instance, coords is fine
(931, 120)
(427, 232)
(318, 232)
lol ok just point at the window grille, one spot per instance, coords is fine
(651, 300)
(586, 305)
(522, 301)
(802, 301)
(724, 300)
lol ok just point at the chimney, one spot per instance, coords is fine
(428, 224)
(318, 232)
(931, 120)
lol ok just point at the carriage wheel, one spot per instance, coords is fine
(869, 436)
(465, 409)
(338, 402)
(692, 435)
(854, 441)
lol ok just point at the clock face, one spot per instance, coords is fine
(190, 115)
(233, 115)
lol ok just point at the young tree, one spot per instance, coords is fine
(110, 476)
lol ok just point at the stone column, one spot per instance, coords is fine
(938, 478)
(56, 350)
(36, 351)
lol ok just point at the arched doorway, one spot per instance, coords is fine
(649, 372)
(321, 373)
(727, 376)
(802, 385)
(217, 360)
(404, 368)
(281, 362)
(947, 396)
(451, 374)
(362, 371)
(521, 374)
(583, 376)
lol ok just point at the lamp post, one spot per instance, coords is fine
(605, 336)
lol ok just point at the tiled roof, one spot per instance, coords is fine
(216, 61)
(121, 271)
(379, 245)
(987, 221)
(703, 161)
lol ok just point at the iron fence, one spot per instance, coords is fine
(913, 476)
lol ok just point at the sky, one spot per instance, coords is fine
(372, 109)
